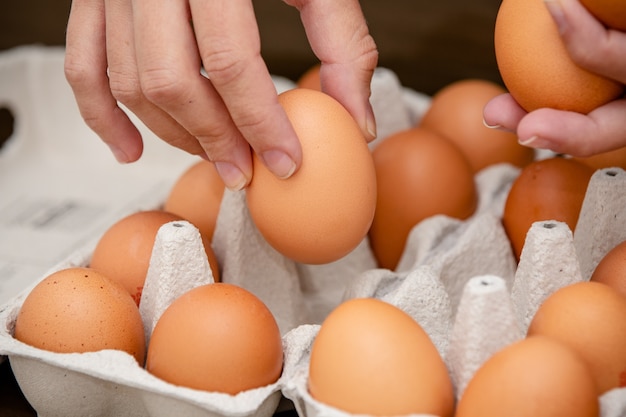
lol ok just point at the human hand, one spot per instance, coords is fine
(595, 48)
(148, 57)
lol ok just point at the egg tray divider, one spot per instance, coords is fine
(458, 279)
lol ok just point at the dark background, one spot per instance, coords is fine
(427, 43)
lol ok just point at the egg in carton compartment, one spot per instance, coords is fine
(112, 383)
(458, 279)
(109, 382)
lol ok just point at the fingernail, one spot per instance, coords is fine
(233, 177)
(119, 154)
(556, 10)
(487, 125)
(534, 142)
(279, 163)
(370, 125)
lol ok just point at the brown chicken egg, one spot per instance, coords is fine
(609, 159)
(196, 196)
(371, 358)
(548, 189)
(611, 270)
(310, 78)
(536, 377)
(535, 66)
(216, 337)
(456, 112)
(419, 174)
(590, 318)
(610, 12)
(80, 310)
(323, 211)
(123, 252)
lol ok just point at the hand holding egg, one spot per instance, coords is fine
(588, 44)
(153, 60)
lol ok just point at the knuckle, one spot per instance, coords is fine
(225, 65)
(124, 89)
(162, 85)
(77, 74)
(253, 120)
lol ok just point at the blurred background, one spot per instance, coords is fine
(427, 43)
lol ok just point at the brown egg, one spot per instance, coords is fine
(611, 270)
(124, 250)
(535, 66)
(372, 358)
(456, 112)
(589, 317)
(216, 337)
(549, 189)
(197, 196)
(610, 12)
(419, 174)
(80, 310)
(609, 159)
(325, 209)
(310, 78)
(536, 377)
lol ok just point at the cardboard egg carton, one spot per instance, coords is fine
(458, 279)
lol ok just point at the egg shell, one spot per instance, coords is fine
(588, 317)
(370, 357)
(419, 174)
(216, 337)
(609, 159)
(610, 12)
(456, 112)
(547, 189)
(323, 211)
(535, 376)
(78, 310)
(536, 67)
(123, 251)
(310, 78)
(612, 269)
(196, 196)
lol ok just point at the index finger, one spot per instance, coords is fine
(230, 48)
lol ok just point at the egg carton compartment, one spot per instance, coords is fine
(458, 279)
(470, 314)
(107, 382)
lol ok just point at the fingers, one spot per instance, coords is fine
(125, 81)
(590, 44)
(339, 37)
(169, 67)
(86, 72)
(602, 130)
(503, 112)
(149, 59)
(230, 49)
(231, 52)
